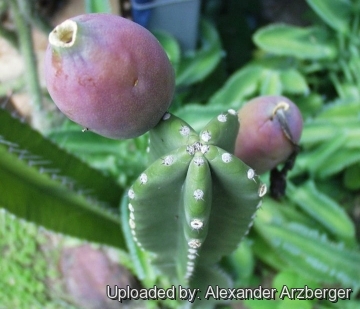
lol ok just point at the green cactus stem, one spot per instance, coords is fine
(196, 200)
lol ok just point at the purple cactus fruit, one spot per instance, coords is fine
(108, 74)
(270, 129)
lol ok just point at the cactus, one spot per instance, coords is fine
(196, 200)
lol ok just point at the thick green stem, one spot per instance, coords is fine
(27, 51)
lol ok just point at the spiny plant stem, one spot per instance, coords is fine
(27, 51)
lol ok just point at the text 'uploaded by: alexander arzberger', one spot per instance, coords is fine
(260, 293)
(218, 293)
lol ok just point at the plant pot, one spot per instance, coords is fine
(178, 17)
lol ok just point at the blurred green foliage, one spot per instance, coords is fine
(25, 268)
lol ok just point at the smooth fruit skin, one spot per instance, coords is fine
(261, 142)
(109, 75)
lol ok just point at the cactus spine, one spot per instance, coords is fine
(196, 200)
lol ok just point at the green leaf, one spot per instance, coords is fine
(206, 279)
(341, 109)
(85, 143)
(265, 253)
(317, 161)
(290, 279)
(317, 131)
(35, 197)
(338, 162)
(198, 115)
(47, 185)
(270, 83)
(198, 65)
(352, 177)
(312, 254)
(261, 304)
(38, 151)
(302, 43)
(293, 82)
(241, 263)
(171, 47)
(284, 211)
(124, 159)
(295, 303)
(240, 85)
(337, 141)
(346, 304)
(310, 105)
(97, 6)
(324, 210)
(325, 129)
(336, 13)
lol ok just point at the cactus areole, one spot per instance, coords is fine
(108, 74)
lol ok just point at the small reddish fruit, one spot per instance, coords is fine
(108, 74)
(270, 129)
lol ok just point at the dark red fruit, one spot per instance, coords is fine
(270, 129)
(108, 74)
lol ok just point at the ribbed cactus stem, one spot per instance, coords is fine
(196, 200)
(222, 131)
(171, 133)
(197, 207)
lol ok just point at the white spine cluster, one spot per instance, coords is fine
(143, 178)
(199, 161)
(226, 157)
(204, 149)
(198, 194)
(168, 160)
(166, 116)
(232, 112)
(194, 245)
(206, 136)
(131, 194)
(190, 265)
(190, 149)
(132, 225)
(250, 173)
(184, 130)
(196, 224)
(222, 118)
(262, 190)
